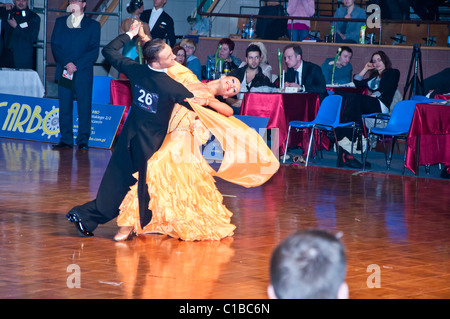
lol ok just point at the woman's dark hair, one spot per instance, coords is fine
(134, 5)
(387, 62)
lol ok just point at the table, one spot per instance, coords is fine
(428, 141)
(281, 108)
(21, 82)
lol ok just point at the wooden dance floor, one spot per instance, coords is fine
(397, 226)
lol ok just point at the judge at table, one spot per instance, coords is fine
(303, 75)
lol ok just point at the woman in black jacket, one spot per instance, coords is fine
(382, 81)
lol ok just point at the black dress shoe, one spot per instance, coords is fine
(61, 145)
(81, 229)
(83, 146)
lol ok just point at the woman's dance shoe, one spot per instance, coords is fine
(124, 233)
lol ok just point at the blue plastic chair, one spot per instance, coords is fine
(327, 119)
(101, 90)
(397, 127)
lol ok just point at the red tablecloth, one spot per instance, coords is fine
(121, 95)
(281, 108)
(429, 136)
(442, 96)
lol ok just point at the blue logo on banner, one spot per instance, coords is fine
(37, 119)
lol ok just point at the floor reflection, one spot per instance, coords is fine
(157, 266)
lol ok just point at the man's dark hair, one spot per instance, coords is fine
(346, 48)
(297, 49)
(252, 48)
(309, 264)
(151, 50)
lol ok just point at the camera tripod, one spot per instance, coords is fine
(416, 80)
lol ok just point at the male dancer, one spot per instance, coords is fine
(154, 96)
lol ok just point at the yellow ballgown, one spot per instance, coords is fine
(184, 200)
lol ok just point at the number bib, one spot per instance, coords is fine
(145, 100)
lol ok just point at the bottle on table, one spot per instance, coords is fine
(362, 34)
(226, 67)
(333, 33)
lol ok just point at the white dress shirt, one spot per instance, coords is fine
(299, 73)
(154, 16)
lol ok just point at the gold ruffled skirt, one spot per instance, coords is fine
(184, 199)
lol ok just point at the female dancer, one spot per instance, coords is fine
(184, 200)
(134, 8)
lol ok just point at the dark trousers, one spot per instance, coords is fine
(354, 105)
(83, 93)
(128, 157)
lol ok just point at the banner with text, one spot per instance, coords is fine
(37, 119)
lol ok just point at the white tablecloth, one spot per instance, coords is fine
(21, 82)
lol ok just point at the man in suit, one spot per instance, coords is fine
(303, 75)
(161, 24)
(20, 30)
(75, 47)
(154, 96)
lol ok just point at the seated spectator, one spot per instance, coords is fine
(348, 32)
(250, 75)
(303, 75)
(309, 264)
(192, 62)
(265, 66)
(180, 54)
(225, 52)
(299, 29)
(382, 82)
(342, 71)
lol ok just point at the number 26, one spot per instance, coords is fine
(145, 98)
